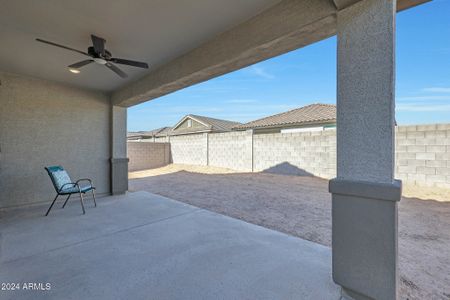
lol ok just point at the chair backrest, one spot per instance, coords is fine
(58, 176)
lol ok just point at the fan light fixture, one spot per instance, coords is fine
(98, 54)
(75, 71)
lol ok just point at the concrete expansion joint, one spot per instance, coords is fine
(372, 190)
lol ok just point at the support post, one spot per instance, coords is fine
(119, 160)
(365, 194)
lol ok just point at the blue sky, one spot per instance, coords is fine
(308, 75)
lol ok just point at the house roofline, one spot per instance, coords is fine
(274, 126)
(192, 117)
(193, 132)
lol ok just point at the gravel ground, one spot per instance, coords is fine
(301, 206)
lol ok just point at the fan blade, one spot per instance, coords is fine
(129, 62)
(61, 46)
(99, 44)
(116, 70)
(80, 64)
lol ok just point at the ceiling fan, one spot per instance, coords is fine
(98, 54)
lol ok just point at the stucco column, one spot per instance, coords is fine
(119, 160)
(365, 194)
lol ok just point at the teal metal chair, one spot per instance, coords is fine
(64, 186)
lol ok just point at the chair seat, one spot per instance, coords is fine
(74, 189)
(65, 186)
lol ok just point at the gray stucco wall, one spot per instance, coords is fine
(44, 123)
(144, 155)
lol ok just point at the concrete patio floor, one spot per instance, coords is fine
(145, 246)
(301, 206)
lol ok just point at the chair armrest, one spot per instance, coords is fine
(85, 179)
(74, 184)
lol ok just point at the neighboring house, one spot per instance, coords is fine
(148, 135)
(164, 131)
(138, 135)
(314, 117)
(191, 124)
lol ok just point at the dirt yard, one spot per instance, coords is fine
(301, 206)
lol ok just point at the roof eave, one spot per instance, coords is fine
(329, 121)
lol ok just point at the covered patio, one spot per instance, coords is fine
(145, 246)
(140, 245)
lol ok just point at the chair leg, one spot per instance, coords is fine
(54, 200)
(64, 205)
(82, 204)
(93, 195)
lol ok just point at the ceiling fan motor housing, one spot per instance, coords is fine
(98, 54)
(106, 55)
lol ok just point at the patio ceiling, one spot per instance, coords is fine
(151, 31)
(184, 42)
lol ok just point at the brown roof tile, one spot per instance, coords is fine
(148, 134)
(310, 114)
(217, 124)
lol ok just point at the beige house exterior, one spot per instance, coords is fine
(189, 124)
(194, 124)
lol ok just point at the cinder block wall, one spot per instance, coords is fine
(189, 149)
(147, 155)
(423, 154)
(303, 153)
(232, 150)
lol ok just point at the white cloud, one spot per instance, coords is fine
(241, 101)
(259, 71)
(422, 98)
(214, 89)
(437, 89)
(425, 103)
(193, 109)
(422, 107)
